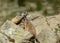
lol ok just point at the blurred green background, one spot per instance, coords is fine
(11, 8)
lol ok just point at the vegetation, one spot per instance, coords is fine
(48, 7)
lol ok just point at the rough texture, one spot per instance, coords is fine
(47, 36)
(15, 32)
(43, 30)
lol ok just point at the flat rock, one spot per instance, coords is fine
(47, 36)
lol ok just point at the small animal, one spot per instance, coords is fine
(16, 19)
(28, 26)
(19, 18)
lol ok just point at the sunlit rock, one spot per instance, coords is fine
(9, 29)
(47, 36)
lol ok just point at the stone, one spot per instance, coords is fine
(2, 38)
(9, 29)
(47, 36)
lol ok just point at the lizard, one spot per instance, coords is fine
(18, 19)
(28, 26)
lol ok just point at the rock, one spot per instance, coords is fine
(2, 38)
(15, 32)
(58, 34)
(47, 36)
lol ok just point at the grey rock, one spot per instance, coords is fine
(2, 38)
(58, 34)
(47, 36)
(15, 32)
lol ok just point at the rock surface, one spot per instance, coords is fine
(43, 30)
(15, 32)
(47, 36)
